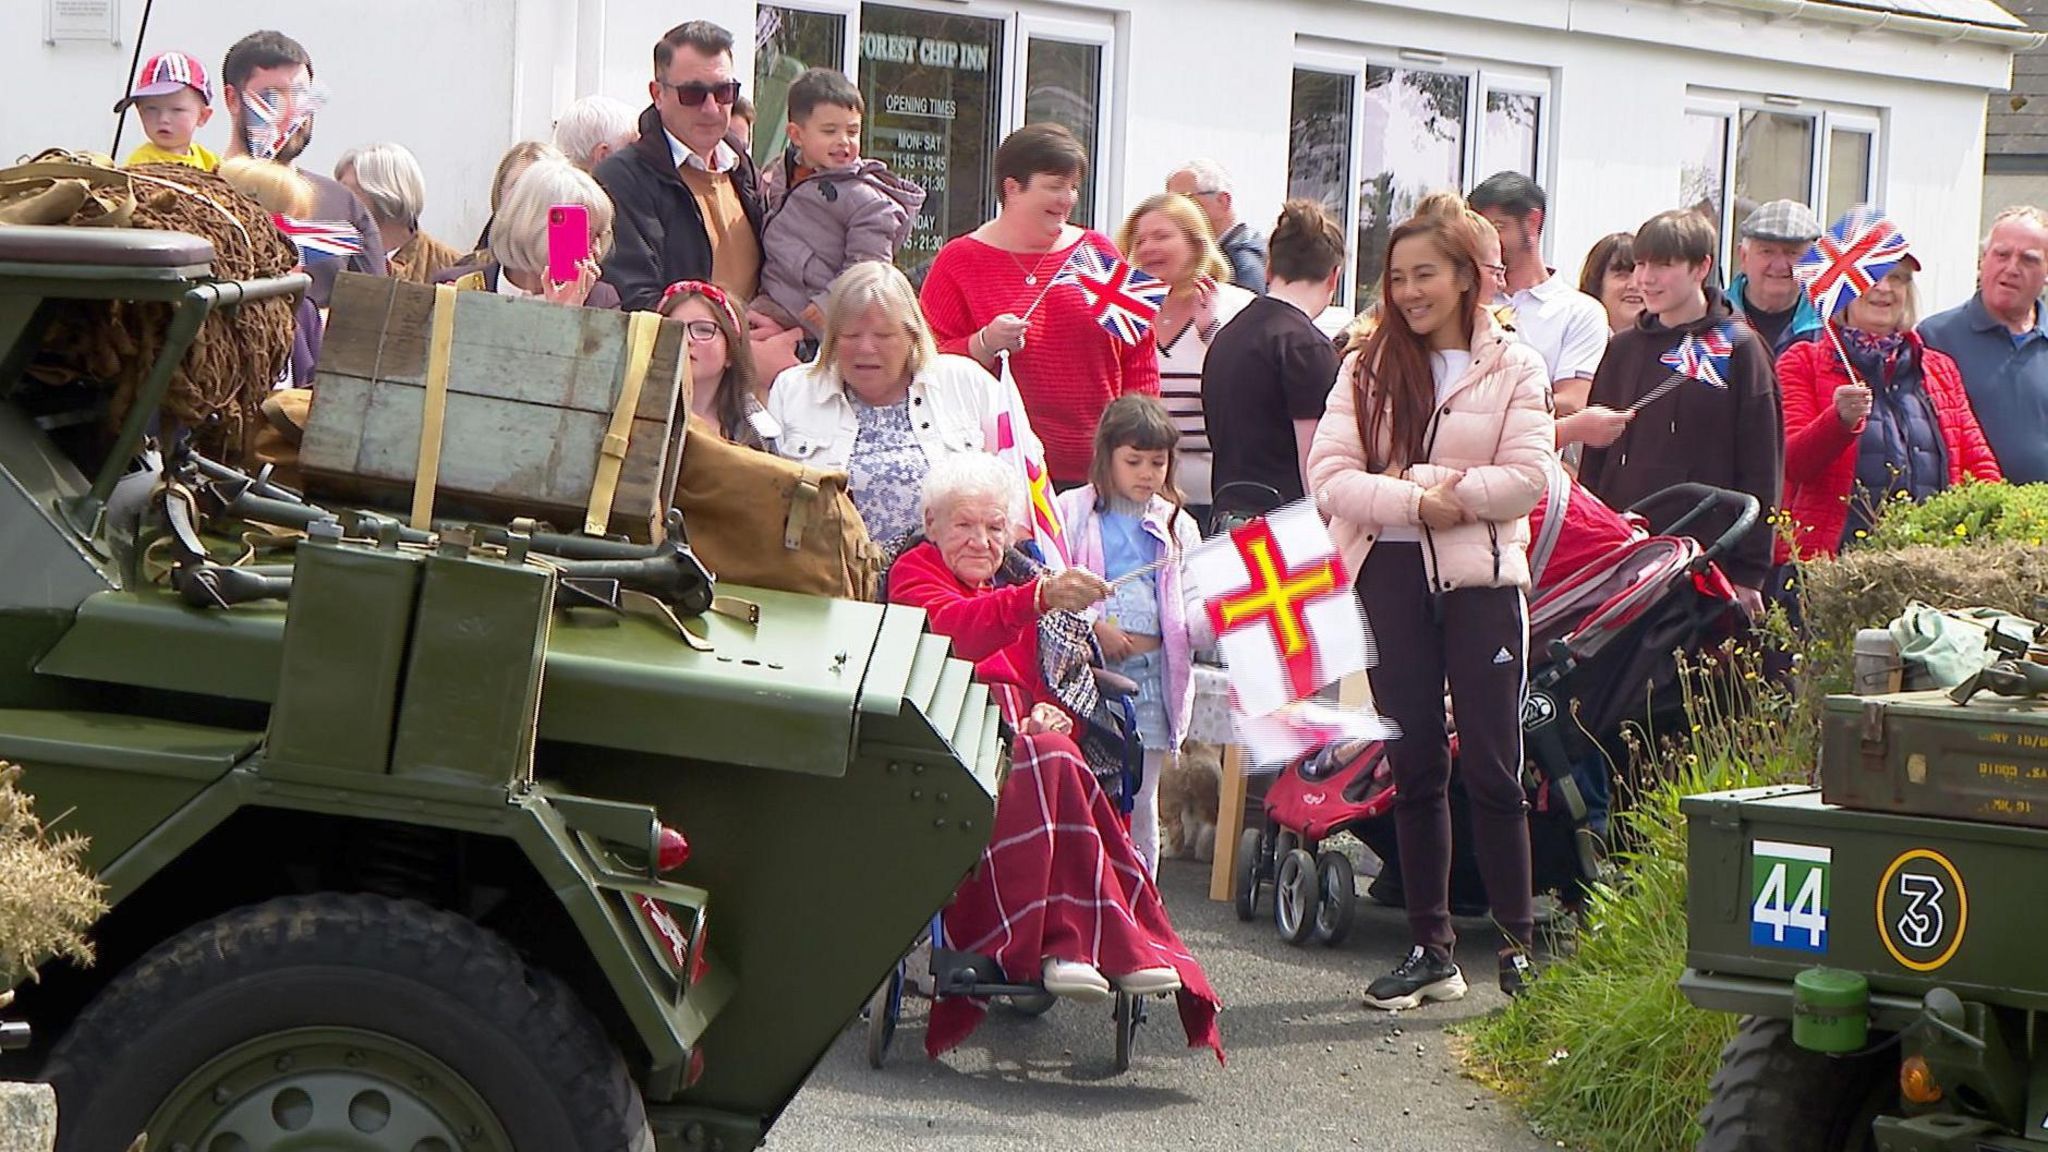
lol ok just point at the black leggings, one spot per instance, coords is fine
(1476, 639)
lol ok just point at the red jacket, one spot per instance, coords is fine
(996, 628)
(1820, 454)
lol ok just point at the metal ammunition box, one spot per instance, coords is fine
(1921, 753)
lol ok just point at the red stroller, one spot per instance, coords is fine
(1616, 597)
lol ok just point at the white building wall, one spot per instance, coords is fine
(459, 80)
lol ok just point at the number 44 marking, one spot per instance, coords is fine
(1790, 904)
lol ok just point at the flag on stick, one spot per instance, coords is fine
(1122, 299)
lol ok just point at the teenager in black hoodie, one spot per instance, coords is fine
(1729, 433)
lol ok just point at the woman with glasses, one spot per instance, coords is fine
(883, 404)
(724, 388)
(517, 263)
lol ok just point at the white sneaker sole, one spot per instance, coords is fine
(1136, 985)
(1450, 988)
(1082, 989)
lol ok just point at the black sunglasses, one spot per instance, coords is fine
(692, 94)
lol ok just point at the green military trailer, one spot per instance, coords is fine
(1879, 934)
(413, 840)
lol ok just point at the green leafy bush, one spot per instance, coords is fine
(1972, 513)
(1603, 1052)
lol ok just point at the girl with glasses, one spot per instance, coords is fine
(725, 389)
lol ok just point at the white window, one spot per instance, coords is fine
(943, 83)
(1743, 151)
(1408, 124)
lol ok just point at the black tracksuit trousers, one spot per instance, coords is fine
(1476, 639)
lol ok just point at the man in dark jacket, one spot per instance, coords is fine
(1208, 185)
(1720, 424)
(273, 68)
(686, 193)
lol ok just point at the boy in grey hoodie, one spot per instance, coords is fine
(827, 208)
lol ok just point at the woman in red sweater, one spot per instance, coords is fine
(1899, 428)
(990, 292)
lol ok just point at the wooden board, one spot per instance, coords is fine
(530, 393)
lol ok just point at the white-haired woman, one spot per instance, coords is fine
(517, 263)
(388, 180)
(1055, 830)
(595, 127)
(882, 403)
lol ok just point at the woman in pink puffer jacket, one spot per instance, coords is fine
(1434, 519)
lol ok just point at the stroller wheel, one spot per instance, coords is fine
(883, 1008)
(1037, 1004)
(1129, 1013)
(1251, 850)
(1338, 886)
(1295, 896)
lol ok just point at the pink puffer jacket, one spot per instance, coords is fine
(1494, 426)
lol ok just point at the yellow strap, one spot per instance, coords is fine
(641, 329)
(440, 348)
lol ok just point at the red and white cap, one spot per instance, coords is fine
(165, 73)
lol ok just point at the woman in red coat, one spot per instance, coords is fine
(1900, 427)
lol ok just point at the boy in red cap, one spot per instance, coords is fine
(172, 98)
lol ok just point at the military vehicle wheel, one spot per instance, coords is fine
(885, 1007)
(342, 1021)
(1295, 896)
(1772, 1096)
(1251, 865)
(1337, 891)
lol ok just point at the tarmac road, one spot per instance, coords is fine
(1309, 1067)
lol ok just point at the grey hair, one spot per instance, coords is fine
(391, 180)
(1209, 175)
(2026, 212)
(971, 475)
(519, 234)
(590, 122)
(876, 284)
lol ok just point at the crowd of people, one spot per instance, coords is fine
(1423, 432)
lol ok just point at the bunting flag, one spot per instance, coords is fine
(1854, 253)
(334, 239)
(1016, 444)
(1122, 299)
(1703, 355)
(1286, 619)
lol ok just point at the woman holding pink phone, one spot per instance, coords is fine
(546, 241)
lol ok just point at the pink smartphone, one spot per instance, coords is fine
(568, 241)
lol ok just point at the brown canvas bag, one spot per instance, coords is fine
(763, 521)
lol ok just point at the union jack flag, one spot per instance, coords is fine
(1122, 299)
(321, 238)
(278, 113)
(1704, 355)
(1854, 253)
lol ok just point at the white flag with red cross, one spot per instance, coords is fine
(1009, 431)
(1286, 619)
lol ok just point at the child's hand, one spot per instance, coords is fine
(761, 326)
(1116, 643)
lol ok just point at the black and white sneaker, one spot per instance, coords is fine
(1425, 975)
(1515, 970)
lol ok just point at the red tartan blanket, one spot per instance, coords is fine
(1061, 878)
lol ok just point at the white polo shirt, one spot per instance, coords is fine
(1564, 325)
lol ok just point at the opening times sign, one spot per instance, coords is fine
(930, 81)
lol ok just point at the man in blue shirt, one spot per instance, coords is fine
(1997, 339)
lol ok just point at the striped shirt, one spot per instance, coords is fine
(1180, 390)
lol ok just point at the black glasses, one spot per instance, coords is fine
(703, 331)
(693, 94)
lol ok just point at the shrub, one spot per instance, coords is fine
(1970, 513)
(47, 901)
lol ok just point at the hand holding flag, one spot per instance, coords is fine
(1701, 356)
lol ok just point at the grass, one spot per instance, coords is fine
(1603, 1053)
(46, 899)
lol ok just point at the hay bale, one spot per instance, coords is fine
(1867, 587)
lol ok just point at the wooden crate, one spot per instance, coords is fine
(531, 387)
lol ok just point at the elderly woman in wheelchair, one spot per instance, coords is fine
(1060, 897)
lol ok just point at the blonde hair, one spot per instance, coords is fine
(519, 237)
(1193, 224)
(523, 154)
(281, 190)
(875, 284)
(391, 180)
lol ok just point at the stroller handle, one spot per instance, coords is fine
(1709, 498)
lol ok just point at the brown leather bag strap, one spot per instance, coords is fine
(803, 505)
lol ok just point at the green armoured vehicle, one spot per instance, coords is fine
(1878, 933)
(411, 842)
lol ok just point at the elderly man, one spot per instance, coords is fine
(1998, 340)
(1764, 293)
(593, 128)
(1207, 184)
(688, 197)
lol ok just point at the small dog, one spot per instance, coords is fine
(1189, 787)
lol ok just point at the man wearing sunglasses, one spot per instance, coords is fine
(269, 74)
(686, 193)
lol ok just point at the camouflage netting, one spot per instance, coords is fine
(240, 351)
(47, 901)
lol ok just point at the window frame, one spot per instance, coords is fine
(1351, 66)
(1105, 169)
(1827, 118)
(1870, 125)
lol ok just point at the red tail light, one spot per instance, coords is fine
(700, 963)
(695, 1072)
(672, 851)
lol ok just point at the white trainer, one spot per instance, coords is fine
(1149, 981)
(1074, 979)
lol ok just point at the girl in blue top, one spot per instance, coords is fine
(1128, 526)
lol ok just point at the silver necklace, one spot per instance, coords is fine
(1031, 273)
